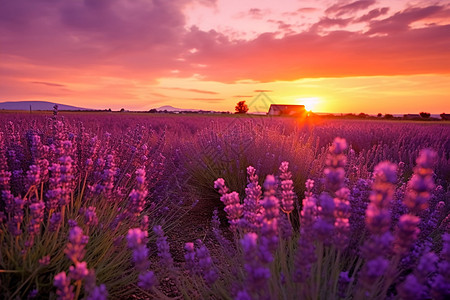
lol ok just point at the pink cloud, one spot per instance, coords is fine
(69, 41)
(307, 54)
(301, 11)
(307, 10)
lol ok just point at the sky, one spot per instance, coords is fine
(371, 56)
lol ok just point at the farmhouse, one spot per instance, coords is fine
(286, 110)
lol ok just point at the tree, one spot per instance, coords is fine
(425, 115)
(388, 116)
(379, 115)
(362, 115)
(241, 107)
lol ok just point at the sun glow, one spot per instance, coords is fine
(310, 103)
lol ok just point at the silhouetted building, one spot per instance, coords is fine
(286, 110)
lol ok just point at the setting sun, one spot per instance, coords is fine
(310, 103)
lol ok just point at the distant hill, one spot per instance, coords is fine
(171, 108)
(36, 105)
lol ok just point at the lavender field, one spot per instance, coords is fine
(146, 206)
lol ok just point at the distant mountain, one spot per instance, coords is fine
(36, 105)
(171, 108)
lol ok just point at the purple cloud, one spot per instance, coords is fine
(48, 83)
(401, 20)
(374, 13)
(329, 22)
(79, 34)
(340, 10)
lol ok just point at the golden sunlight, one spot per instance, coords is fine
(310, 103)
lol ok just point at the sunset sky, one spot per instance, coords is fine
(388, 56)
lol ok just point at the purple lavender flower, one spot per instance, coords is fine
(233, 208)
(137, 240)
(219, 184)
(343, 283)
(189, 258)
(90, 216)
(138, 195)
(287, 196)
(286, 230)
(378, 220)
(17, 213)
(342, 214)
(33, 177)
(422, 183)
(305, 255)
(136, 237)
(67, 178)
(440, 286)
(378, 217)
(79, 271)
(77, 241)
(55, 222)
(377, 246)
(243, 295)
(412, 289)
(145, 223)
(406, 234)
(308, 214)
(140, 258)
(257, 272)
(163, 248)
(205, 263)
(269, 228)
(324, 225)
(98, 293)
(5, 175)
(427, 266)
(72, 223)
(37, 217)
(147, 280)
(109, 175)
(336, 161)
(63, 288)
(33, 294)
(373, 269)
(53, 196)
(252, 207)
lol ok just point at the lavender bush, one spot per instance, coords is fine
(90, 209)
(68, 199)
